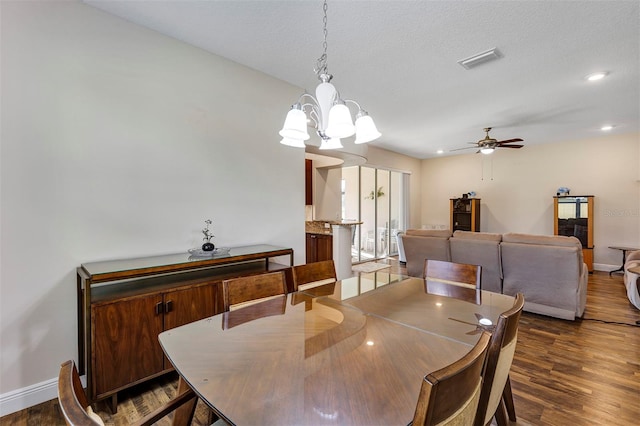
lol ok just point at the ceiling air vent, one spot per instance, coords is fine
(480, 58)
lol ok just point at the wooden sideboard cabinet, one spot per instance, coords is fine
(124, 304)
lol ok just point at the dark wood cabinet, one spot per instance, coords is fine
(319, 247)
(120, 319)
(465, 214)
(308, 182)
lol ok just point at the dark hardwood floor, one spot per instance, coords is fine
(583, 372)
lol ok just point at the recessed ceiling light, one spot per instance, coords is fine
(596, 76)
(606, 128)
(440, 151)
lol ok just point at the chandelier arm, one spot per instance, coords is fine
(307, 95)
(313, 115)
(353, 102)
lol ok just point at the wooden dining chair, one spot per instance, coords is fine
(496, 387)
(313, 275)
(450, 395)
(77, 411)
(247, 290)
(453, 273)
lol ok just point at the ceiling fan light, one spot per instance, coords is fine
(295, 125)
(332, 143)
(366, 130)
(340, 123)
(487, 150)
(296, 143)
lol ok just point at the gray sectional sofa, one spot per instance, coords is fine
(548, 270)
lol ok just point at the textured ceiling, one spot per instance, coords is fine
(398, 59)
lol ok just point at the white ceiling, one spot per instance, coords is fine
(398, 59)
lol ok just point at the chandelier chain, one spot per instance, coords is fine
(321, 64)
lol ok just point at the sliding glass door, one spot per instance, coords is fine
(376, 198)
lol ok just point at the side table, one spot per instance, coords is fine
(624, 257)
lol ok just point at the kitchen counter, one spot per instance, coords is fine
(341, 232)
(325, 227)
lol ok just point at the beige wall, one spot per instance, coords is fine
(517, 188)
(119, 142)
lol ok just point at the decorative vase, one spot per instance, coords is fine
(208, 246)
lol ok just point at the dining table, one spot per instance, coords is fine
(353, 352)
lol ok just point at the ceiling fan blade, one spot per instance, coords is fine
(511, 140)
(510, 146)
(467, 147)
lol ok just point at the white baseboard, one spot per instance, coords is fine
(20, 399)
(604, 267)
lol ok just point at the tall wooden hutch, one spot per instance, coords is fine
(573, 217)
(465, 214)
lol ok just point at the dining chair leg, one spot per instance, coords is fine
(184, 414)
(507, 397)
(501, 415)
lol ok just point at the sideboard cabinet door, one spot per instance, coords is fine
(125, 342)
(188, 305)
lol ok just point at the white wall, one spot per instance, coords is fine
(117, 142)
(328, 193)
(517, 188)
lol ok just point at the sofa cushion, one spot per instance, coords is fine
(547, 240)
(552, 277)
(478, 236)
(482, 251)
(438, 233)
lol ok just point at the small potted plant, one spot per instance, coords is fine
(208, 245)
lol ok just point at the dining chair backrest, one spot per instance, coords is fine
(450, 395)
(453, 273)
(313, 275)
(77, 411)
(498, 363)
(250, 289)
(269, 307)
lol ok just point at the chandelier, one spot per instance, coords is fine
(329, 113)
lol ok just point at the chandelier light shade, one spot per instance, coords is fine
(296, 143)
(295, 125)
(340, 123)
(333, 143)
(366, 130)
(327, 112)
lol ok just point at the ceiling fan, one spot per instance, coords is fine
(488, 144)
